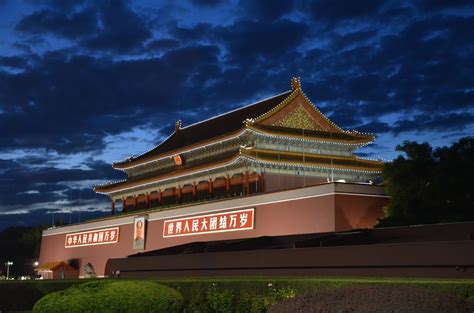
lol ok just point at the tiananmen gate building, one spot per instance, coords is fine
(272, 168)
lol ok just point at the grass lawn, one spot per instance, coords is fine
(253, 293)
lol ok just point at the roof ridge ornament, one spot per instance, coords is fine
(296, 83)
(178, 125)
(248, 121)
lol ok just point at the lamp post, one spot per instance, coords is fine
(8, 264)
(35, 266)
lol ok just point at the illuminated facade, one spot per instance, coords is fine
(279, 143)
(273, 168)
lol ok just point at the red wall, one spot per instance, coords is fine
(325, 213)
(352, 213)
(274, 182)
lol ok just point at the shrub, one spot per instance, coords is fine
(374, 299)
(248, 294)
(112, 296)
(224, 296)
(275, 294)
(220, 300)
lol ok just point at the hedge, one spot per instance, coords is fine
(259, 294)
(112, 296)
(232, 294)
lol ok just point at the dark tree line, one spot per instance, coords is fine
(21, 246)
(429, 185)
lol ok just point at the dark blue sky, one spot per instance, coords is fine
(85, 83)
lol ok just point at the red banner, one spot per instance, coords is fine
(211, 223)
(92, 237)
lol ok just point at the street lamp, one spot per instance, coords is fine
(8, 264)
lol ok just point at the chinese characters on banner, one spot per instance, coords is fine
(210, 223)
(92, 237)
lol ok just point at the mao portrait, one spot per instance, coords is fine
(139, 233)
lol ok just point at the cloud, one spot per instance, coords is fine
(59, 4)
(71, 26)
(36, 195)
(85, 98)
(206, 2)
(250, 41)
(46, 217)
(18, 178)
(193, 34)
(121, 29)
(266, 10)
(340, 9)
(162, 45)
(13, 62)
(442, 4)
(438, 122)
(92, 77)
(421, 123)
(109, 26)
(376, 127)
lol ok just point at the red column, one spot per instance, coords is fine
(227, 183)
(136, 202)
(257, 182)
(194, 191)
(246, 183)
(180, 193)
(161, 197)
(124, 204)
(147, 200)
(113, 207)
(210, 187)
(261, 183)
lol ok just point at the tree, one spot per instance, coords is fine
(430, 186)
(20, 245)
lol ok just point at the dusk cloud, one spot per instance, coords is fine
(71, 26)
(84, 83)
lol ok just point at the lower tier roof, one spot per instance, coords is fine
(263, 158)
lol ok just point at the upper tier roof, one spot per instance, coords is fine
(287, 113)
(213, 127)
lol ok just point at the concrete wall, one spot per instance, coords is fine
(323, 208)
(449, 259)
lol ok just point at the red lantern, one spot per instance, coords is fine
(177, 160)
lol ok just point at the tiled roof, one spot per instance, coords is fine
(213, 127)
(314, 159)
(258, 155)
(182, 170)
(54, 265)
(353, 137)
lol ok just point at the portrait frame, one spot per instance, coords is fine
(139, 233)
